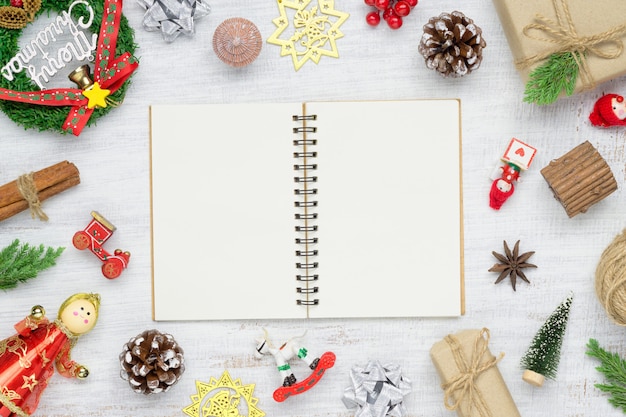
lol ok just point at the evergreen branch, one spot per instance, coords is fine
(558, 73)
(21, 262)
(614, 369)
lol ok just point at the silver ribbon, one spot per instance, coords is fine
(173, 17)
(377, 390)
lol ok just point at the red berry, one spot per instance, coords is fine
(412, 3)
(369, 2)
(388, 13)
(394, 22)
(402, 8)
(373, 18)
(17, 3)
(381, 4)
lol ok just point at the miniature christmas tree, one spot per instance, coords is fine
(21, 262)
(542, 357)
(614, 369)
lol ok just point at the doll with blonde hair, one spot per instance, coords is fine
(28, 358)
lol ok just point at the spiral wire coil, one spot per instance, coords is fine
(306, 180)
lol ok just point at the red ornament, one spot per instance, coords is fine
(388, 13)
(394, 22)
(402, 8)
(373, 18)
(17, 3)
(381, 4)
(98, 231)
(609, 110)
(392, 12)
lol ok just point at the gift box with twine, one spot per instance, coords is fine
(471, 380)
(587, 34)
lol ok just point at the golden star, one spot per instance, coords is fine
(29, 382)
(44, 358)
(314, 33)
(96, 95)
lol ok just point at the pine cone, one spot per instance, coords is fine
(152, 362)
(452, 44)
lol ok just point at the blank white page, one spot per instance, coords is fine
(390, 218)
(222, 212)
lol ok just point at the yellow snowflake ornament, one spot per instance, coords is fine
(315, 30)
(223, 398)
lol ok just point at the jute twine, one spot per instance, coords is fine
(464, 384)
(564, 38)
(611, 279)
(26, 187)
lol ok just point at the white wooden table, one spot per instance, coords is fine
(374, 63)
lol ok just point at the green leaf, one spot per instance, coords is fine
(614, 369)
(21, 262)
(546, 82)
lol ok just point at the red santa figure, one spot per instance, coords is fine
(517, 158)
(609, 110)
(503, 188)
(28, 358)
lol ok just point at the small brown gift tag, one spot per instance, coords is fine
(472, 383)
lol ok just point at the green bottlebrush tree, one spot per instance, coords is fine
(542, 357)
(614, 369)
(21, 262)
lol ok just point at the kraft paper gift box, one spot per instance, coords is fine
(471, 380)
(596, 18)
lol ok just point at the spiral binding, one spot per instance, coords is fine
(305, 218)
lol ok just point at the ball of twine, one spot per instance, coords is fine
(611, 279)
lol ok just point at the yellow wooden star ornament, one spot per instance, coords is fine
(97, 96)
(314, 32)
(223, 397)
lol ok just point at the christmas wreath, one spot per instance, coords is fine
(65, 110)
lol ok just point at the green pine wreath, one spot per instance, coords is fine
(39, 117)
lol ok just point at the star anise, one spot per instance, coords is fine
(511, 264)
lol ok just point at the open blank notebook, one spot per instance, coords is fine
(307, 210)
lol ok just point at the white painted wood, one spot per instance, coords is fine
(374, 64)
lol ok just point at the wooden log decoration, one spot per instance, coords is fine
(29, 190)
(579, 179)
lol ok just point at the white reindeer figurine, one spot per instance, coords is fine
(288, 351)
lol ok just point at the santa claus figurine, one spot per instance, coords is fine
(517, 158)
(502, 188)
(28, 358)
(609, 110)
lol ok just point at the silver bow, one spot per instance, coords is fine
(377, 390)
(173, 17)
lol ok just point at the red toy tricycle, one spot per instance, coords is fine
(98, 231)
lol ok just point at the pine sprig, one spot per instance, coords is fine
(21, 262)
(558, 73)
(614, 369)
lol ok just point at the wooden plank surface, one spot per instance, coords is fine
(373, 64)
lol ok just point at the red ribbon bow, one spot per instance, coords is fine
(109, 72)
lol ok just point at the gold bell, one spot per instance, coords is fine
(37, 312)
(82, 77)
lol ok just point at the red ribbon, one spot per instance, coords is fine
(109, 72)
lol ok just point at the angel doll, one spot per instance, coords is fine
(27, 359)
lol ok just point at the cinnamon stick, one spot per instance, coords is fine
(47, 182)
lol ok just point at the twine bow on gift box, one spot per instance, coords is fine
(110, 73)
(464, 384)
(567, 57)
